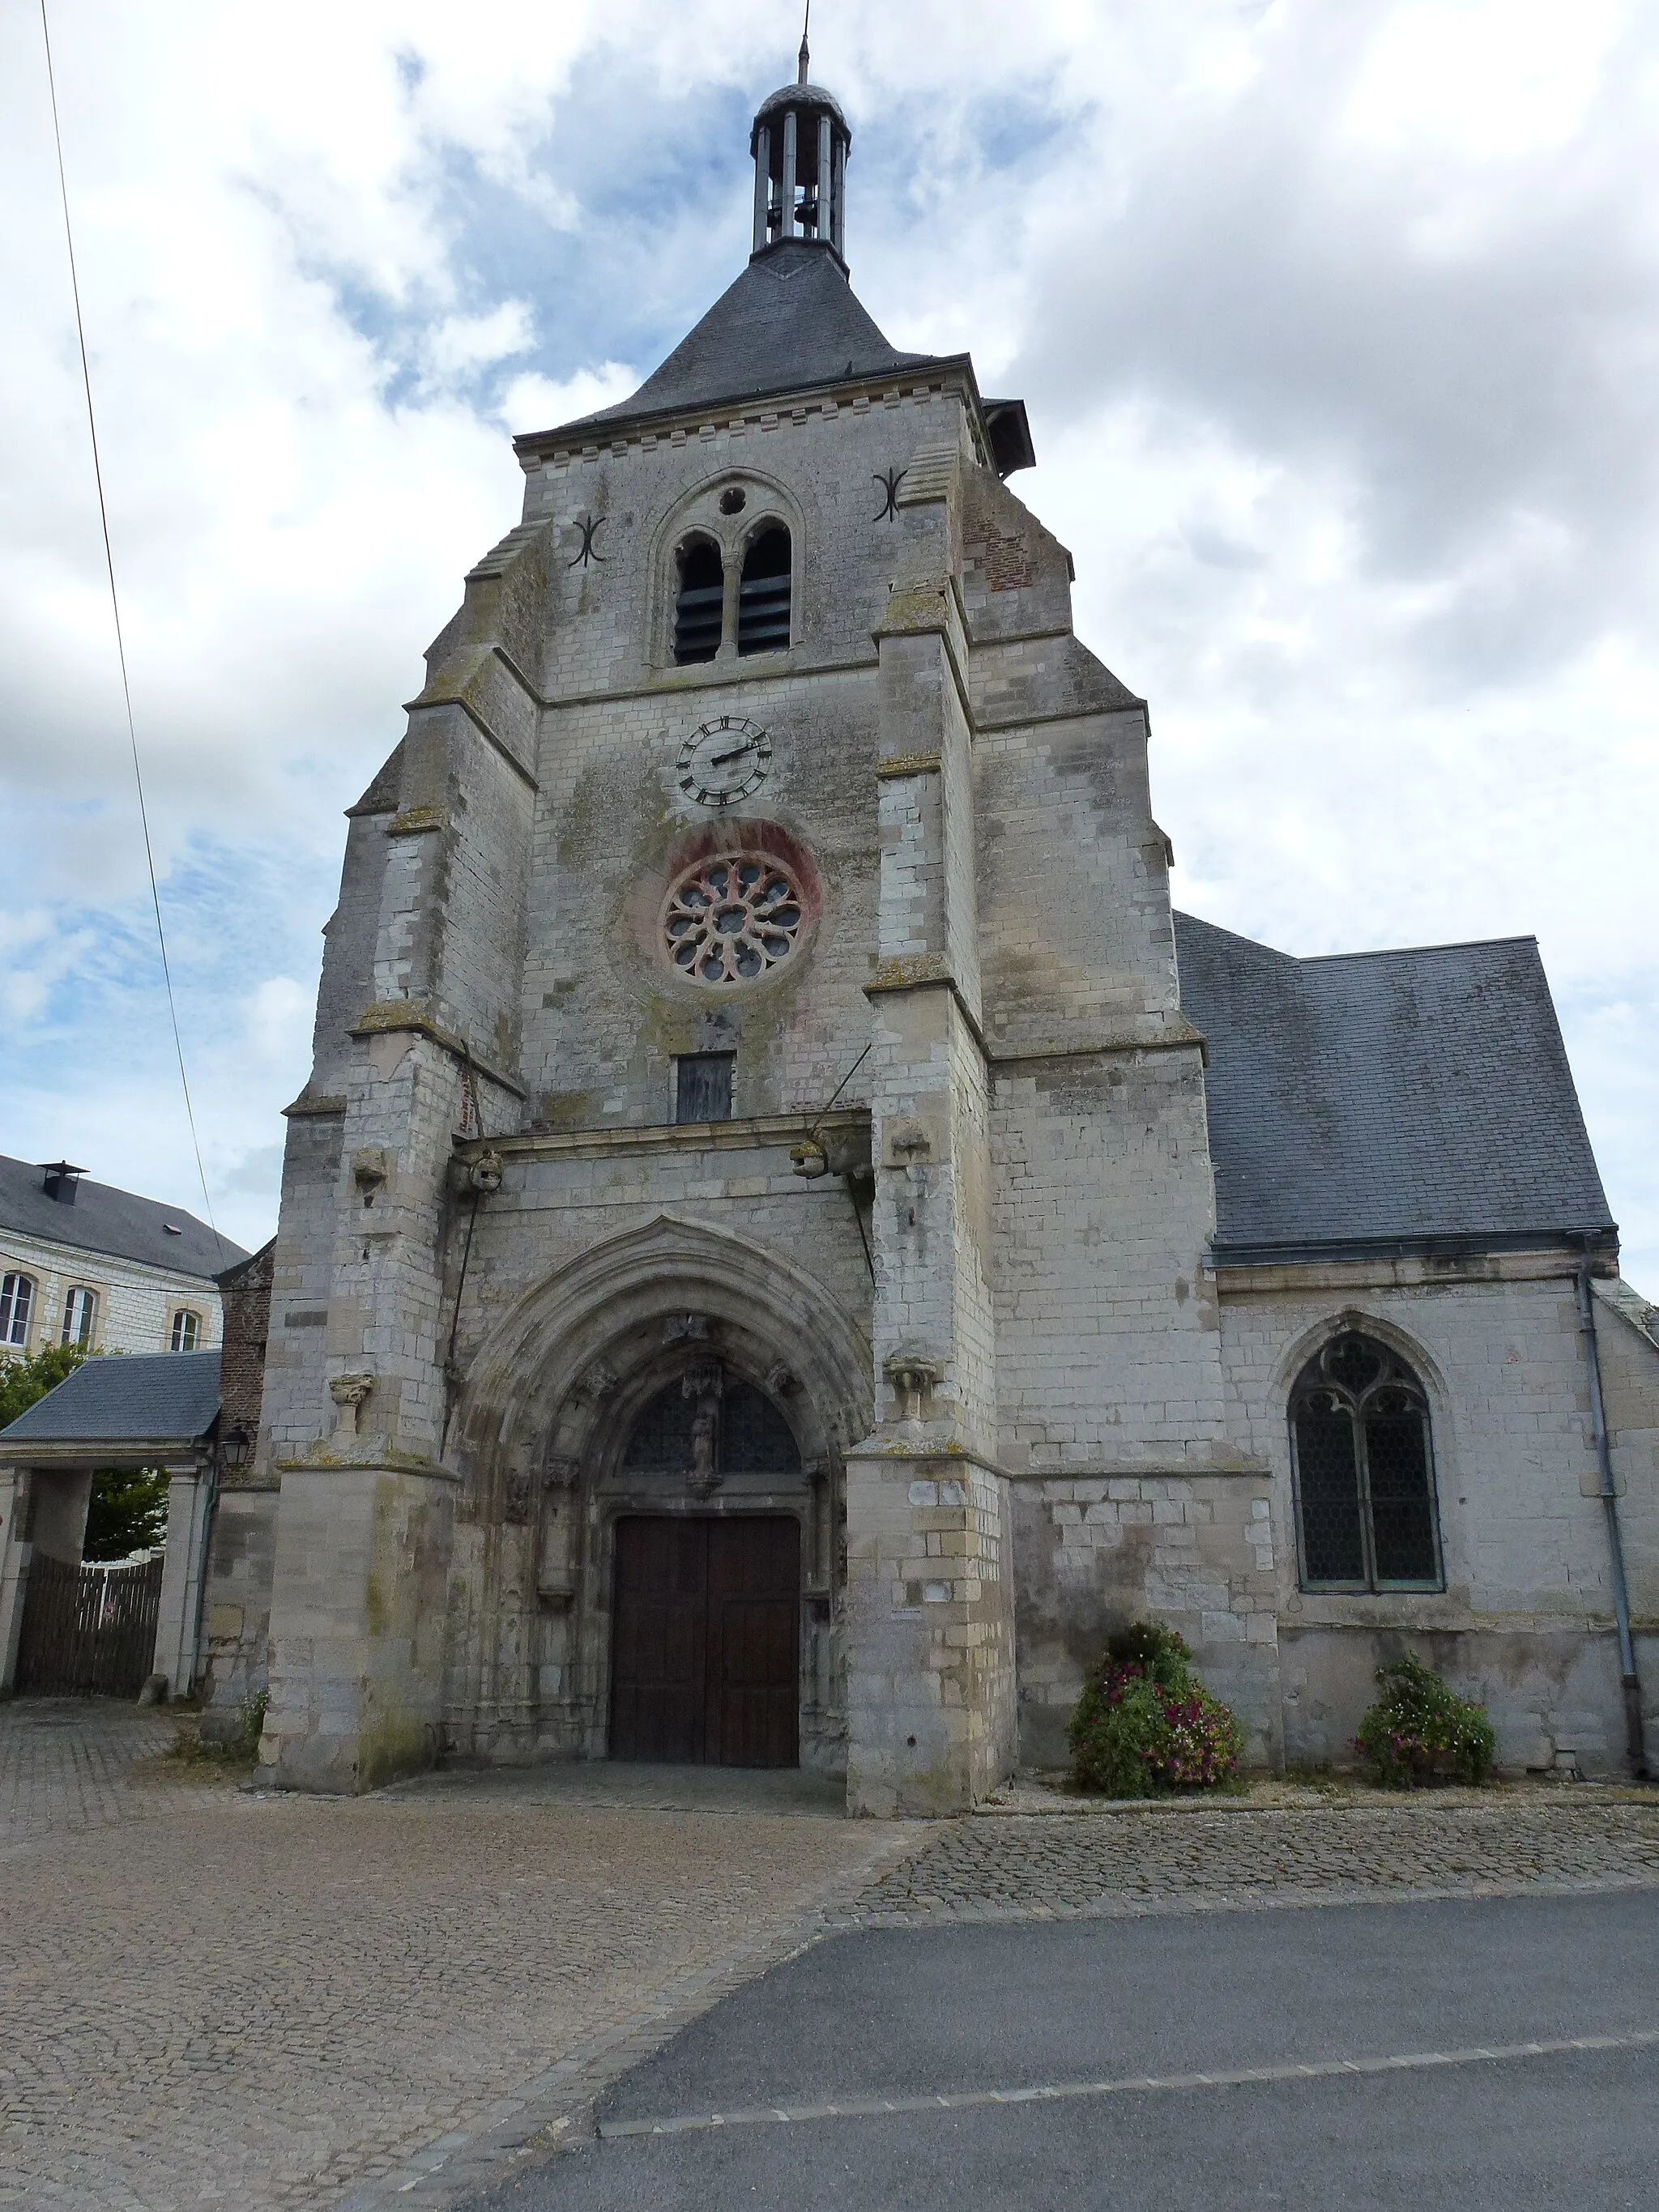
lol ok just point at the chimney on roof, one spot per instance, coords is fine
(61, 1181)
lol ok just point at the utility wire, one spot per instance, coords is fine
(121, 641)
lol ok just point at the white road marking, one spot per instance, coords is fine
(850, 2108)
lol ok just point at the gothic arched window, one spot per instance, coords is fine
(1364, 1471)
(699, 603)
(764, 594)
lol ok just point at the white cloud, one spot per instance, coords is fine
(1336, 319)
(279, 1017)
(464, 343)
(1484, 78)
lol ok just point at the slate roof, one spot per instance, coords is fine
(1387, 1098)
(790, 321)
(156, 1397)
(111, 1221)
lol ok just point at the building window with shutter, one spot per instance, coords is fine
(16, 1304)
(79, 1317)
(1364, 1461)
(703, 1086)
(186, 1330)
(699, 601)
(764, 594)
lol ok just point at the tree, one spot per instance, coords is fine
(128, 1513)
(24, 1381)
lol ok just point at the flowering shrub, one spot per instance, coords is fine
(1418, 1731)
(1144, 1722)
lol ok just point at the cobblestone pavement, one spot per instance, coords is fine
(71, 1764)
(1185, 1857)
(218, 1998)
(213, 1998)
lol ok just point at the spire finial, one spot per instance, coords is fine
(803, 58)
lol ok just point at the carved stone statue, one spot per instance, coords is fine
(704, 1476)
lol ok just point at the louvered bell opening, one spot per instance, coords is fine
(698, 608)
(763, 595)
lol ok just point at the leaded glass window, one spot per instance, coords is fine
(752, 1438)
(1364, 1471)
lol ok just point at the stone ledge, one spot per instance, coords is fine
(763, 1132)
(1226, 1470)
(388, 1016)
(373, 1459)
(1244, 1279)
(320, 1108)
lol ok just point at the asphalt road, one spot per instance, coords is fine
(1082, 2010)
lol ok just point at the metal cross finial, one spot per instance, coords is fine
(803, 57)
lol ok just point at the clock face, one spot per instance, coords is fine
(724, 761)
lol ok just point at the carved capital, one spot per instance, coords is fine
(913, 1375)
(348, 1392)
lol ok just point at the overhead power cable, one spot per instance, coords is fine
(121, 641)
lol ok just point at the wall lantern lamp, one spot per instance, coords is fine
(234, 1447)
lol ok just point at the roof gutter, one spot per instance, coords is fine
(1631, 1684)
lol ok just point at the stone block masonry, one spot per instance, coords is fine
(936, 1312)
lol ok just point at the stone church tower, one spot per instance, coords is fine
(749, 1253)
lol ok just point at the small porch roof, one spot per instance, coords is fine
(142, 1408)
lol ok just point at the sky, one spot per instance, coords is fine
(1337, 324)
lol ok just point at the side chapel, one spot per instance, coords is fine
(787, 1239)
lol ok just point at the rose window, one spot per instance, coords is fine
(732, 918)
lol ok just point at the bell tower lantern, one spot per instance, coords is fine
(801, 141)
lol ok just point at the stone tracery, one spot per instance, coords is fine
(730, 918)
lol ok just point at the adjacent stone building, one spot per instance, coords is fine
(787, 1239)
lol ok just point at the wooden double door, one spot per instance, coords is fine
(705, 1660)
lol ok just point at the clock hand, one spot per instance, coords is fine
(735, 753)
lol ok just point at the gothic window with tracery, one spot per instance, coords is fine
(731, 918)
(1364, 1458)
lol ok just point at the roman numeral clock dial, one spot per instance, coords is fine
(724, 761)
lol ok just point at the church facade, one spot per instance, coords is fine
(787, 1239)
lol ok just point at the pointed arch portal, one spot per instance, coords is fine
(653, 1440)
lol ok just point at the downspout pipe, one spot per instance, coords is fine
(1630, 1682)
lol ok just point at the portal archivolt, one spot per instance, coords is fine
(670, 1374)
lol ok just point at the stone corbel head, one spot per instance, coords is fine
(371, 1171)
(486, 1174)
